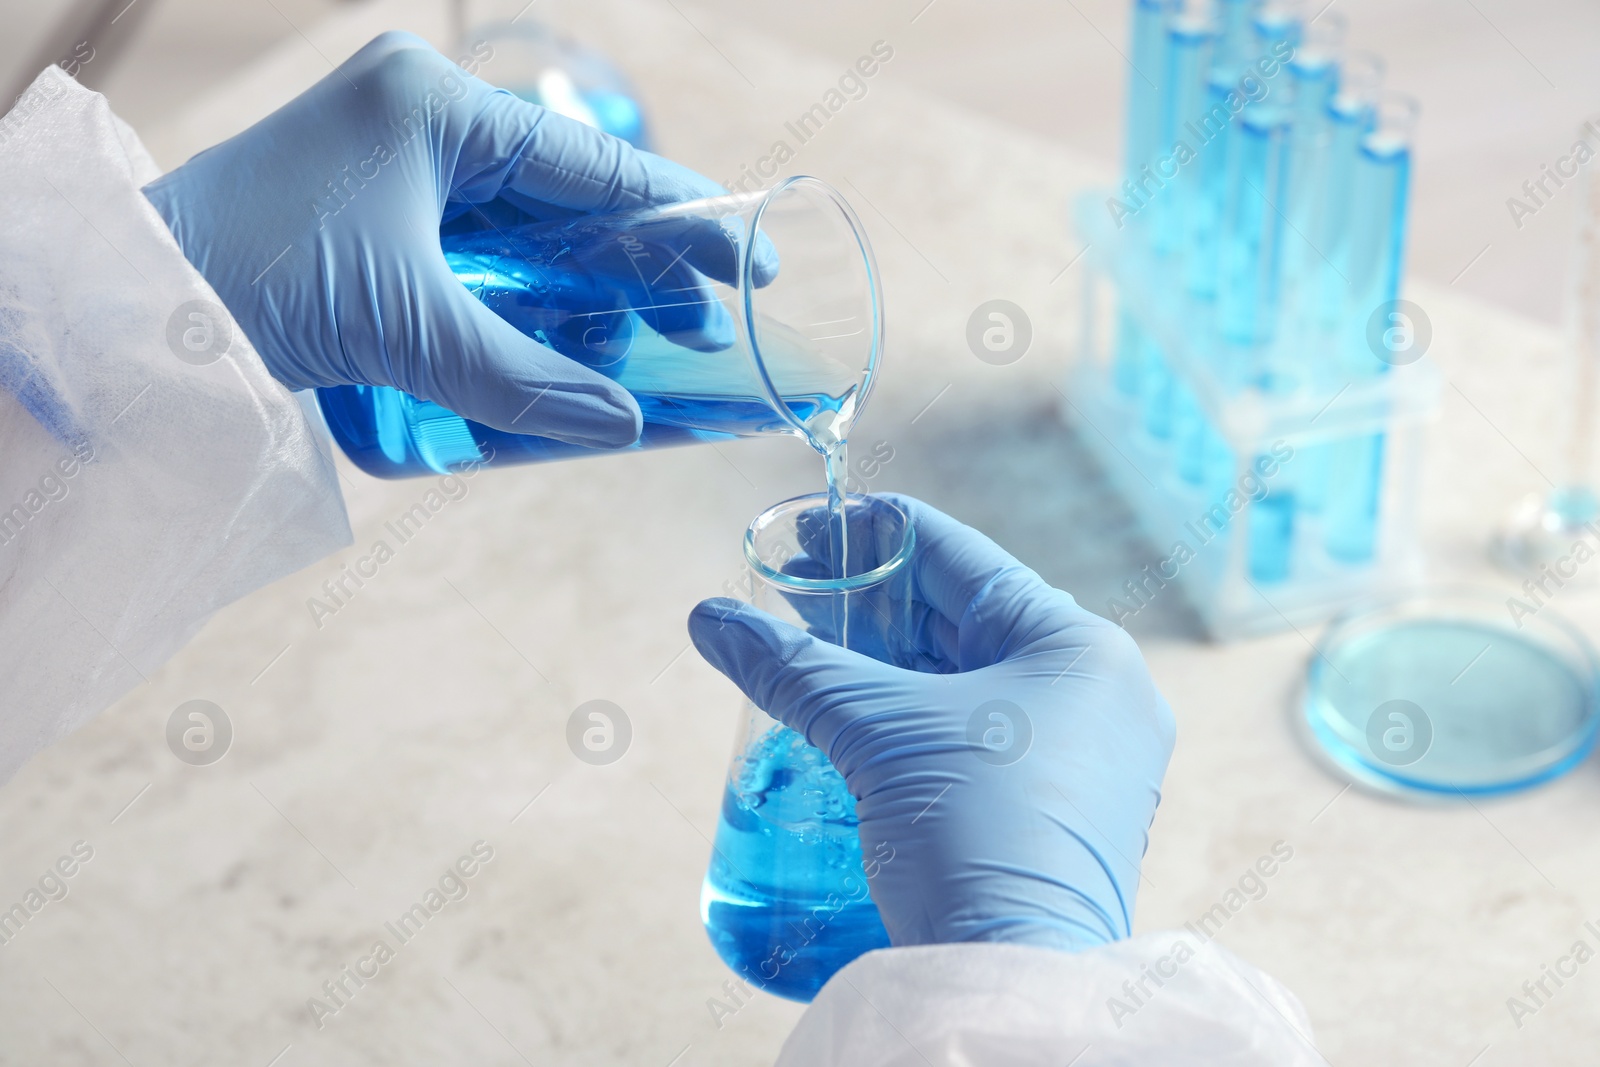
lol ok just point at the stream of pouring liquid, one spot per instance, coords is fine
(827, 434)
(799, 370)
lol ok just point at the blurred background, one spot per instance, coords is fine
(432, 713)
(1503, 85)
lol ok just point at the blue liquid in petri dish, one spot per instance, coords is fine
(1451, 704)
(785, 900)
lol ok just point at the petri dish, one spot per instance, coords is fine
(1446, 695)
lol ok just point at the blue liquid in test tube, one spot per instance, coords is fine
(1350, 117)
(1189, 58)
(1382, 184)
(1271, 536)
(1316, 292)
(1248, 255)
(1190, 38)
(1134, 351)
(1229, 50)
(1128, 367)
(1248, 252)
(1256, 187)
(1148, 63)
(1314, 79)
(1149, 126)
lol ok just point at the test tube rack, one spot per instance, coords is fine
(1226, 493)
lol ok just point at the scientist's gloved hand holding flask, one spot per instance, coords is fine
(1033, 838)
(1013, 784)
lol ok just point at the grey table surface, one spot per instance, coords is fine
(430, 712)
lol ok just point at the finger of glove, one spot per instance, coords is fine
(814, 688)
(535, 159)
(672, 297)
(562, 309)
(503, 144)
(528, 153)
(579, 269)
(954, 563)
(714, 243)
(999, 607)
(478, 365)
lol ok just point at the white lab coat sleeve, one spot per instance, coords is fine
(1167, 999)
(151, 471)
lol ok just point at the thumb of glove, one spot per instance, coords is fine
(810, 686)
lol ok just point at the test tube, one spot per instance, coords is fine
(1148, 68)
(1127, 369)
(1350, 117)
(1314, 75)
(1192, 37)
(1180, 67)
(1146, 75)
(1248, 251)
(1257, 184)
(1235, 19)
(1189, 39)
(1372, 267)
(1313, 79)
(1316, 289)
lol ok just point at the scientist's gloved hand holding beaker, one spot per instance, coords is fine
(319, 229)
(1016, 787)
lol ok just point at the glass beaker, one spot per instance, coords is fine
(786, 899)
(752, 313)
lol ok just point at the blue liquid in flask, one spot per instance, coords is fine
(785, 899)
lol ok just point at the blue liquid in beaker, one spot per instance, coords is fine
(686, 394)
(785, 899)
(390, 434)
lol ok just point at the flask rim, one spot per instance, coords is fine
(854, 583)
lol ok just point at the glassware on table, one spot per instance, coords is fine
(1443, 695)
(1546, 528)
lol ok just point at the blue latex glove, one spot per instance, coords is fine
(319, 229)
(1043, 849)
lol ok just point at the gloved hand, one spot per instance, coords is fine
(319, 229)
(1027, 828)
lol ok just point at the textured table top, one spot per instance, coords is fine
(429, 712)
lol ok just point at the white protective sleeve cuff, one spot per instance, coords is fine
(151, 471)
(1163, 998)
